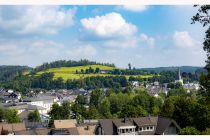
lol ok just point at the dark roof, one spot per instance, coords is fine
(69, 131)
(123, 122)
(43, 131)
(107, 126)
(163, 123)
(142, 121)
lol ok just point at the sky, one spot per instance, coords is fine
(143, 35)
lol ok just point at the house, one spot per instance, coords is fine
(7, 97)
(88, 127)
(64, 131)
(135, 83)
(15, 95)
(11, 129)
(191, 86)
(38, 131)
(138, 126)
(42, 100)
(61, 124)
(28, 107)
(64, 127)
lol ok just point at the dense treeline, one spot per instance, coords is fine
(7, 73)
(109, 105)
(46, 81)
(130, 72)
(69, 63)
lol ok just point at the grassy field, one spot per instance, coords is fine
(70, 72)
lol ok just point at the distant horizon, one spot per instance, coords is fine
(145, 36)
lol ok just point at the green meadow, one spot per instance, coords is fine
(70, 72)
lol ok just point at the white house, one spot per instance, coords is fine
(42, 101)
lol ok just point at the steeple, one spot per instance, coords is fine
(180, 78)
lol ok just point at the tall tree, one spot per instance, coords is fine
(202, 16)
(105, 108)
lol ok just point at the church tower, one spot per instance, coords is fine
(179, 79)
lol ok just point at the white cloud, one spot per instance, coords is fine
(108, 26)
(35, 19)
(183, 39)
(135, 8)
(150, 41)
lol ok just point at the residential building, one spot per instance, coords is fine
(11, 129)
(138, 126)
(42, 100)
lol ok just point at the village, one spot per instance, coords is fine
(42, 101)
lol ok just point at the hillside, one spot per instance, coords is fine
(7, 73)
(70, 72)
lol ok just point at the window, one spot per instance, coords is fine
(151, 127)
(140, 129)
(144, 128)
(147, 127)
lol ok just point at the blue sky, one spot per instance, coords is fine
(145, 36)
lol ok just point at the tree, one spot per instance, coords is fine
(93, 113)
(11, 116)
(97, 70)
(206, 132)
(132, 111)
(34, 116)
(142, 100)
(104, 108)
(96, 97)
(189, 131)
(65, 110)
(54, 113)
(168, 107)
(202, 16)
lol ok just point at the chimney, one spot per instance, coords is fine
(126, 120)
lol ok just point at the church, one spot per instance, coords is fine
(179, 79)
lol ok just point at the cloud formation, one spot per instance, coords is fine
(150, 41)
(111, 25)
(184, 40)
(135, 8)
(35, 19)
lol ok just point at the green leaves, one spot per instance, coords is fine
(34, 116)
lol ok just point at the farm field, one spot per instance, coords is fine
(70, 72)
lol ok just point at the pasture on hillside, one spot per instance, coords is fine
(70, 72)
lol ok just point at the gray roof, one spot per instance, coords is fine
(163, 123)
(27, 107)
(123, 122)
(107, 126)
(142, 121)
(40, 98)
